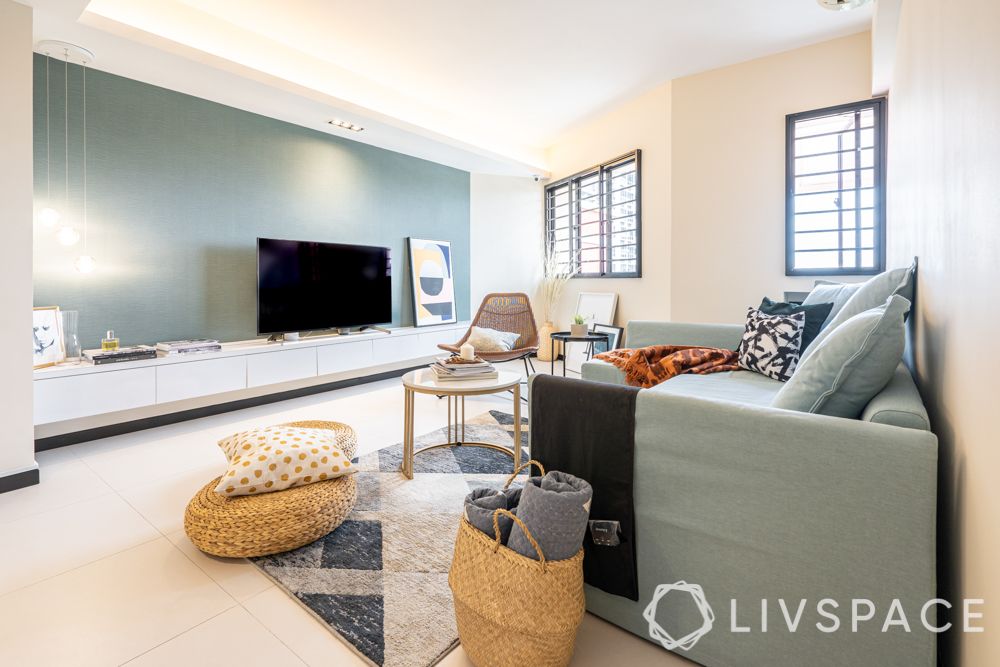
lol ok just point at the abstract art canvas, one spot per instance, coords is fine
(432, 274)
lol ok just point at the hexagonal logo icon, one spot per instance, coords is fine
(658, 633)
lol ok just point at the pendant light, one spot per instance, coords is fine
(842, 5)
(66, 235)
(85, 263)
(48, 216)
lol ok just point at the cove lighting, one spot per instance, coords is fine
(336, 122)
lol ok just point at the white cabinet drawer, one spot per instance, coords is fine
(190, 379)
(429, 341)
(396, 348)
(280, 366)
(344, 357)
(62, 398)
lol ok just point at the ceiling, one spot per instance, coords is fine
(483, 86)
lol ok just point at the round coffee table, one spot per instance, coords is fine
(567, 337)
(424, 381)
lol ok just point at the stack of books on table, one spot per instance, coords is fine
(192, 346)
(455, 368)
(130, 353)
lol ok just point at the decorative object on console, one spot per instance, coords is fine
(594, 307)
(771, 344)
(70, 320)
(614, 337)
(110, 342)
(120, 354)
(816, 315)
(261, 524)
(579, 328)
(47, 336)
(433, 284)
(555, 276)
(280, 457)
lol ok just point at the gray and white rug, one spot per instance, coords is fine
(380, 580)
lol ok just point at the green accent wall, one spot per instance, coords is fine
(179, 189)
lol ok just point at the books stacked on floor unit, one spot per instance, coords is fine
(130, 353)
(455, 368)
(192, 346)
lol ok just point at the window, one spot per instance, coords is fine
(835, 190)
(592, 220)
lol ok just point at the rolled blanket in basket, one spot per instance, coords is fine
(555, 509)
(479, 508)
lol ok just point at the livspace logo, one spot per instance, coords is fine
(825, 615)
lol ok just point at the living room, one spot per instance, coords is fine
(499, 335)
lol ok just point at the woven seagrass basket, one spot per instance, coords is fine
(513, 611)
(245, 526)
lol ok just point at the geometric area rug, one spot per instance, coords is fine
(380, 580)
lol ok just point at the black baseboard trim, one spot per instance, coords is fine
(18, 480)
(76, 437)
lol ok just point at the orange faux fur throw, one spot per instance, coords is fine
(649, 366)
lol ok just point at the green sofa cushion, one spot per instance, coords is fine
(850, 365)
(860, 297)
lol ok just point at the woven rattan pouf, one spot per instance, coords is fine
(270, 523)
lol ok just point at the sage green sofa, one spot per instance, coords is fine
(756, 503)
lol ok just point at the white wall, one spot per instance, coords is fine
(17, 444)
(944, 207)
(728, 220)
(644, 123)
(505, 236)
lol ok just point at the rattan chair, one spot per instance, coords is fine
(505, 312)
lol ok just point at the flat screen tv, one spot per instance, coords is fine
(310, 286)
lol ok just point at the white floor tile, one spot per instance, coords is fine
(235, 575)
(232, 637)
(108, 612)
(43, 545)
(300, 631)
(162, 502)
(62, 482)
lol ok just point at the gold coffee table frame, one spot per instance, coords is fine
(424, 381)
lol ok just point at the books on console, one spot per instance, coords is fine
(455, 369)
(130, 353)
(190, 346)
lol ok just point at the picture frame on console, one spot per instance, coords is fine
(432, 279)
(48, 348)
(615, 335)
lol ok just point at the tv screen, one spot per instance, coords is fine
(309, 286)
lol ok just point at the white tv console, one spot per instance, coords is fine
(84, 396)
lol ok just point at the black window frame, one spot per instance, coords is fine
(604, 173)
(878, 104)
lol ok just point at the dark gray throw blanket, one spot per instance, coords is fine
(592, 435)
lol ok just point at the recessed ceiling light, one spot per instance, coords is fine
(346, 125)
(842, 5)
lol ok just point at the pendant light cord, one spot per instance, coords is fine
(66, 127)
(48, 134)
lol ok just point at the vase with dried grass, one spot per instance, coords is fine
(556, 274)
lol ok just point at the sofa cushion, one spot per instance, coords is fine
(734, 386)
(771, 343)
(833, 293)
(867, 295)
(850, 365)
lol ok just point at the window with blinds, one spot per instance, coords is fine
(592, 220)
(835, 190)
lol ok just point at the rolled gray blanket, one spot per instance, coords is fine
(555, 509)
(479, 507)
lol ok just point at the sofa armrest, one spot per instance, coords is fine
(759, 503)
(641, 333)
(596, 370)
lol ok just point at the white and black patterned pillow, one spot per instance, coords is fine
(771, 343)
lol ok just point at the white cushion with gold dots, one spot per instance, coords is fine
(280, 457)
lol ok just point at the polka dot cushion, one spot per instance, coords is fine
(280, 457)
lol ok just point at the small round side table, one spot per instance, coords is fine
(567, 337)
(424, 381)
